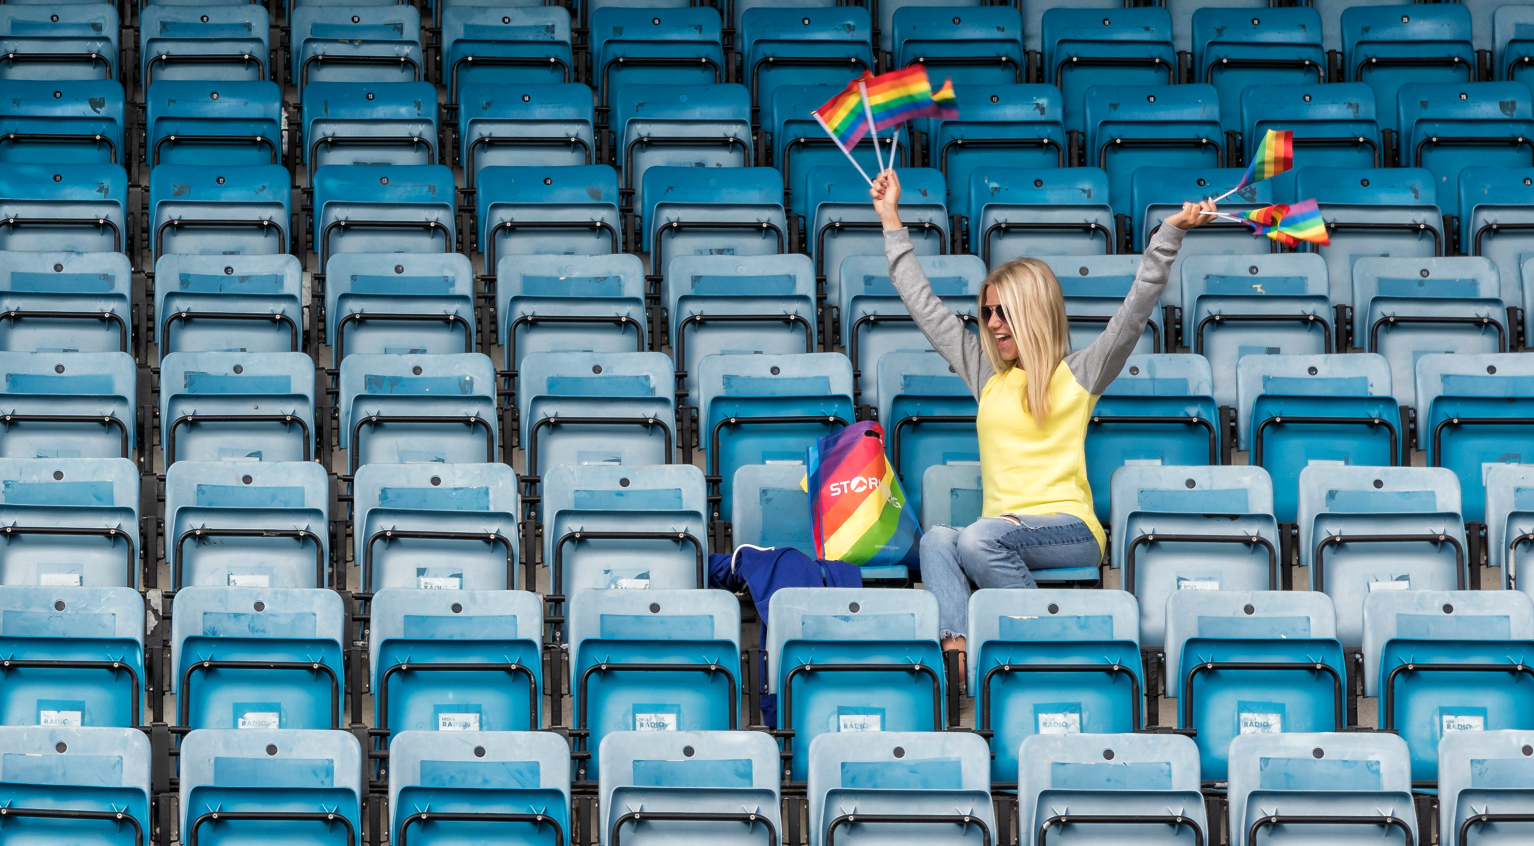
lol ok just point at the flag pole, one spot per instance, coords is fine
(873, 129)
(894, 145)
(821, 121)
(1228, 193)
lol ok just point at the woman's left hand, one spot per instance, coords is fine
(1192, 215)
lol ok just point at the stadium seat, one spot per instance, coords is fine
(884, 24)
(1047, 662)
(569, 210)
(500, 786)
(678, 125)
(1334, 125)
(399, 303)
(1495, 223)
(63, 207)
(1509, 522)
(204, 43)
(1177, 529)
(801, 46)
(1156, 193)
(1447, 127)
(1128, 127)
(221, 303)
(1083, 48)
(1297, 787)
(652, 660)
(73, 122)
(553, 303)
(1483, 784)
(294, 786)
(85, 785)
(247, 524)
(369, 124)
(799, 145)
(1510, 48)
(59, 42)
(710, 212)
(1444, 662)
(236, 406)
(504, 45)
(68, 405)
(213, 123)
(770, 509)
(72, 522)
(901, 786)
(679, 786)
(455, 660)
(928, 415)
(1081, 789)
(411, 519)
(1371, 212)
(1472, 412)
(257, 658)
(1252, 44)
(75, 657)
(1252, 662)
(1015, 212)
(383, 209)
(654, 46)
(214, 210)
(978, 46)
(1363, 530)
(1094, 287)
(596, 408)
(1331, 27)
(1021, 122)
(407, 409)
(1182, 12)
(1387, 47)
(65, 302)
(853, 660)
(529, 125)
(374, 44)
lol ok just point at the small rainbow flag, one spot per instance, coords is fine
(1288, 224)
(843, 116)
(945, 105)
(1274, 155)
(899, 96)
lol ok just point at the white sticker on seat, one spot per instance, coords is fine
(655, 722)
(631, 584)
(457, 722)
(59, 579)
(1198, 584)
(250, 580)
(1463, 722)
(859, 722)
(1393, 584)
(1068, 722)
(58, 718)
(439, 582)
(1254, 722)
(259, 720)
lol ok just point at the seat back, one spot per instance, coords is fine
(562, 211)
(1022, 122)
(484, 45)
(361, 208)
(661, 125)
(687, 211)
(65, 301)
(222, 43)
(186, 124)
(1233, 48)
(801, 46)
(219, 406)
(841, 222)
(902, 784)
(799, 145)
(402, 409)
(1334, 125)
(101, 774)
(1447, 127)
(770, 509)
(1068, 209)
(247, 524)
(1509, 517)
(1467, 406)
(373, 123)
(714, 783)
(1294, 787)
(496, 126)
(399, 303)
(979, 46)
(228, 772)
(58, 639)
(1086, 47)
(221, 303)
(667, 46)
(1384, 48)
(62, 121)
(430, 526)
(212, 210)
(1128, 127)
(953, 495)
(69, 404)
(1495, 220)
(596, 408)
(1510, 49)
(461, 784)
(1151, 779)
(58, 43)
(1157, 193)
(63, 207)
(73, 522)
(1371, 212)
(553, 303)
(355, 44)
(1480, 772)
(928, 414)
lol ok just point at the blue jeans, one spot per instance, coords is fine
(994, 552)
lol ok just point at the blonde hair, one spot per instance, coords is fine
(1030, 295)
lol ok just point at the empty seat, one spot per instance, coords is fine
(300, 787)
(1080, 789)
(455, 660)
(801, 46)
(654, 46)
(1093, 288)
(840, 222)
(529, 125)
(1483, 784)
(596, 408)
(75, 657)
(59, 42)
(1128, 127)
(1233, 48)
(62, 121)
(663, 787)
(1386, 47)
(978, 46)
(553, 303)
(493, 45)
(399, 303)
(678, 125)
(1371, 212)
(770, 509)
(71, 522)
(407, 409)
(708, 212)
(67, 302)
(214, 210)
(1495, 221)
(355, 44)
(799, 144)
(569, 210)
(443, 527)
(224, 43)
(257, 658)
(244, 303)
(68, 405)
(213, 123)
(928, 415)
(490, 785)
(225, 406)
(1509, 522)
(1015, 212)
(1331, 26)
(1334, 125)
(77, 785)
(1449, 126)
(247, 524)
(899, 784)
(383, 209)
(1157, 193)
(953, 495)
(1294, 787)
(1470, 415)
(63, 207)
(369, 123)
(1021, 122)
(1509, 47)
(1086, 47)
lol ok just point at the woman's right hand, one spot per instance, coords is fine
(886, 196)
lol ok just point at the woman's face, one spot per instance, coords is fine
(996, 319)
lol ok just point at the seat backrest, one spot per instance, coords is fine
(391, 34)
(1449, 126)
(633, 387)
(1231, 48)
(1047, 616)
(77, 493)
(1005, 200)
(885, 615)
(769, 509)
(524, 773)
(72, 388)
(1477, 766)
(1024, 121)
(1157, 193)
(1440, 615)
(439, 288)
(456, 385)
(1354, 375)
(219, 210)
(1386, 47)
(952, 495)
(193, 383)
(340, 119)
(1185, 490)
(88, 290)
(497, 126)
(258, 286)
(1461, 402)
(1103, 774)
(64, 207)
(463, 504)
(739, 209)
(59, 635)
(667, 499)
(956, 46)
(222, 519)
(1243, 615)
(584, 196)
(102, 774)
(1509, 517)
(81, 109)
(1355, 202)
(233, 770)
(888, 775)
(1339, 489)
(1322, 118)
(708, 772)
(84, 39)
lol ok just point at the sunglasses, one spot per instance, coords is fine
(987, 311)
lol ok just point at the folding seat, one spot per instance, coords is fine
(1334, 125)
(1021, 122)
(72, 122)
(1495, 222)
(247, 524)
(293, 786)
(455, 660)
(228, 303)
(1297, 788)
(1371, 212)
(1387, 47)
(1444, 662)
(710, 212)
(411, 518)
(373, 44)
(504, 45)
(770, 509)
(1472, 413)
(1015, 212)
(1189, 529)
(237, 406)
(57, 43)
(213, 123)
(1509, 47)
(1158, 125)
(63, 207)
(78, 785)
(414, 408)
(900, 784)
(498, 786)
(1252, 662)
(853, 660)
(1331, 27)
(801, 46)
(257, 658)
(654, 660)
(953, 495)
(1156, 193)
(214, 210)
(1094, 287)
(399, 303)
(72, 522)
(73, 657)
(388, 123)
(654, 46)
(759, 408)
(68, 405)
(596, 408)
(1083, 48)
(1405, 308)
(667, 787)
(1363, 530)
(1045, 662)
(1509, 521)
(799, 145)
(1080, 789)
(1449, 127)
(553, 303)
(383, 209)
(562, 211)
(1483, 784)
(204, 43)
(977, 46)
(528, 125)
(67, 302)
(928, 415)
(1236, 47)
(705, 126)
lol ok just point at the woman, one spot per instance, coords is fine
(1037, 509)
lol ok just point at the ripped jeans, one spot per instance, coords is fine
(994, 552)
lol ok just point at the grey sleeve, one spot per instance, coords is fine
(944, 330)
(1099, 364)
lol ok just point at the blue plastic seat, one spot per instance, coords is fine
(407, 409)
(1448, 127)
(1443, 662)
(1083, 48)
(214, 210)
(661, 787)
(59, 42)
(900, 786)
(1371, 212)
(501, 786)
(1021, 122)
(1295, 788)
(1082, 789)
(1015, 212)
(928, 415)
(840, 222)
(74, 522)
(204, 43)
(1333, 125)
(257, 658)
(977, 46)
(1495, 222)
(247, 524)
(386, 123)
(76, 657)
(1052, 662)
(65, 301)
(442, 527)
(1178, 529)
(455, 660)
(383, 209)
(213, 123)
(710, 212)
(399, 303)
(801, 46)
(1233, 48)
(596, 408)
(654, 46)
(953, 495)
(355, 44)
(69, 405)
(1509, 522)
(1387, 47)
(1156, 193)
(853, 660)
(1363, 530)
(799, 145)
(706, 126)
(1470, 413)
(236, 406)
(552, 303)
(1182, 12)
(1511, 50)
(496, 126)
(569, 210)
(1129, 127)
(62, 121)
(770, 509)
(79, 785)
(652, 660)
(1331, 25)
(244, 303)
(1483, 776)
(294, 786)
(504, 45)
(63, 207)
(1093, 288)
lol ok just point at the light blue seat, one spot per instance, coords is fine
(1177, 529)
(292, 786)
(399, 303)
(257, 658)
(1449, 126)
(236, 406)
(596, 408)
(408, 409)
(710, 212)
(678, 125)
(1233, 48)
(355, 44)
(65, 302)
(200, 122)
(74, 522)
(770, 509)
(1020, 122)
(1443, 662)
(651, 45)
(484, 45)
(1094, 287)
(978, 46)
(435, 526)
(1049, 662)
(883, 671)
(247, 524)
(840, 221)
(1333, 125)
(800, 46)
(953, 495)
(88, 786)
(900, 787)
(1125, 785)
(204, 43)
(1483, 775)
(1510, 522)
(1297, 788)
(372, 123)
(1127, 127)
(501, 786)
(1371, 212)
(62, 121)
(554, 210)
(1086, 47)
(1156, 193)
(215, 303)
(213, 210)
(1252, 662)
(455, 661)
(928, 416)
(653, 660)
(1363, 530)
(1016, 212)
(558, 303)
(1386, 48)
(362, 208)
(59, 42)
(1469, 413)
(63, 207)
(553, 126)
(68, 405)
(687, 785)
(75, 656)
(1495, 222)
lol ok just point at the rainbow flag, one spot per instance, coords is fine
(899, 96)
(858, 511)
(1274, 155)
(843, 117)
(1288, 224)
(945, 105)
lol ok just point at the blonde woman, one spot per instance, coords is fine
(1037, 511)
